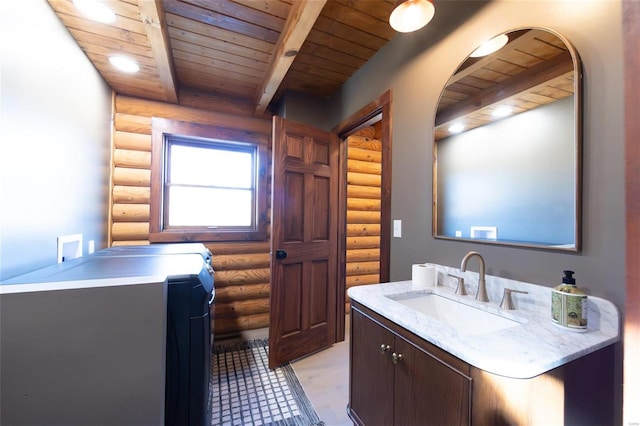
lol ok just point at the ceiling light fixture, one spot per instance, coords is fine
(490, 46)
(96, 10)
(411, 15)
(456, 128)
(502, 111)
(124, 64)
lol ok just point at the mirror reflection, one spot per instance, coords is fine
(507, 145)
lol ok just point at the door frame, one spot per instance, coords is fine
(631, 367)
(379, 106)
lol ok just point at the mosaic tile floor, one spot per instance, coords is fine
(246, 392)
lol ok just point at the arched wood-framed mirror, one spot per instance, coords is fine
(515, 179)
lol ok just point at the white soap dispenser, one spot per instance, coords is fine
(569, 305)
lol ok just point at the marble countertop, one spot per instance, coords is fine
(523, 351)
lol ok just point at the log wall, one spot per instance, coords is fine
(364, 174)
(242, 268)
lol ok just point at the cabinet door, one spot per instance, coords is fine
(371, 382)
(427, 390)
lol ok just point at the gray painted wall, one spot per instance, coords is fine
(55, 126)
(416, 69)
(304, 108)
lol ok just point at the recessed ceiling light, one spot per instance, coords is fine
(96, 10)
(490, 46)
(502, 111)
(456, 128)
(124, 64)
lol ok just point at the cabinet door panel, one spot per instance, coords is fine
(427, 391)
(371, 394)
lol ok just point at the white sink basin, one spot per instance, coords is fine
(464, 318)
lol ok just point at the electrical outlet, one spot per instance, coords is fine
(92, 246)
(397, 228)
(69, 247)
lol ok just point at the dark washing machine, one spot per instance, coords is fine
(189, 341)
(188, 372)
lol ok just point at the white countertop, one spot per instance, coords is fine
(30, 287)
(104, 271)
(524, 351)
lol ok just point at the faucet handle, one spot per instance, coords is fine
(507, 303)
(460, 288)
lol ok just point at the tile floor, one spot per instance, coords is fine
(243, 375)
(324, 376)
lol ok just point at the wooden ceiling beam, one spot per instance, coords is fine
(478, 63)
(545, 71)
(152, 15)
(302, 16)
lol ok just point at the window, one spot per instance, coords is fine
(207, 183)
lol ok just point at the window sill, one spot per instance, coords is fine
(205, 236)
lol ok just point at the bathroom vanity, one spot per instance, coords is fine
(414, 368)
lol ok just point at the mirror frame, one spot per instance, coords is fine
(578, 142)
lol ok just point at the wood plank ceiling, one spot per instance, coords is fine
(535, 68)
(247, 51)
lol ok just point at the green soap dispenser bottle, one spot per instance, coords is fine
(569, 305)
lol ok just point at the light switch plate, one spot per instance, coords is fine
(397, 228)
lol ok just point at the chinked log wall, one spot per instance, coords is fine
(364, 173)
(242, 268)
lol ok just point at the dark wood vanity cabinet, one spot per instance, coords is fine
(372, 372)
(395, 381)
(428, 386)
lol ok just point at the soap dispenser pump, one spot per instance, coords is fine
(569, 305)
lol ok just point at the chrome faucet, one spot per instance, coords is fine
(481, 295)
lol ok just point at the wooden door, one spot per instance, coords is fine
(303, 242)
